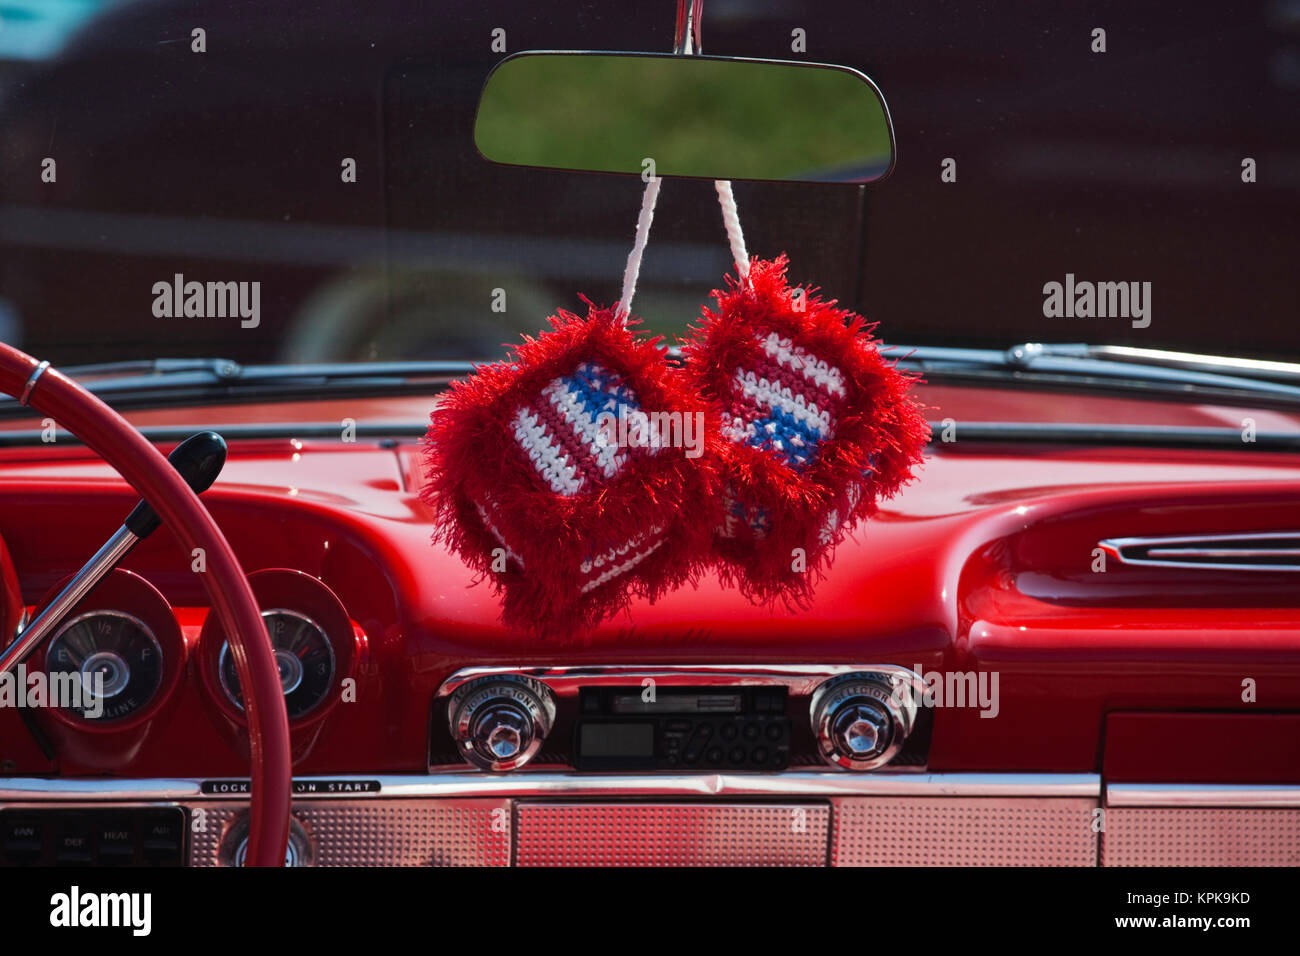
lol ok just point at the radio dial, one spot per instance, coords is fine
(862, 720)
(499, 723)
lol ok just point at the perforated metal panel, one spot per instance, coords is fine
(1201, 836)
(380, 832)
(668, 834)
(964, 831)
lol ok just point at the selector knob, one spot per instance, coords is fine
(499, 723)
(862, 720)
(861, 730)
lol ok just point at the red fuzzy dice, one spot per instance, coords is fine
(817, 427)
(576, 475)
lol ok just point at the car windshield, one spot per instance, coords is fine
(310, 168)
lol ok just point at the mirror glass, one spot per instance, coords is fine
(694, 116)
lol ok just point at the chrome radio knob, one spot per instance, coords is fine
(499, 723)
(861, 730)
(862, 720)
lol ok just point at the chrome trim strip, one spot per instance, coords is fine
(1223, 553)
(1172, 551)
(526, 784)
(1202, 795)
(801, 679)
(31, 382)
(98, 790)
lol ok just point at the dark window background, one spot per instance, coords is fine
(224, 166)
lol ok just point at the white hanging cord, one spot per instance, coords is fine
(731, 222)
(648, 200)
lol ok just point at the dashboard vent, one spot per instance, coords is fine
(1257, 551)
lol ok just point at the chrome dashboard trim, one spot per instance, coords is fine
(565, 681)
(1174, 551)
(525, 783)
(1202, 795)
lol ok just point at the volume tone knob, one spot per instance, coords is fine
(499, 723)
(862, 720)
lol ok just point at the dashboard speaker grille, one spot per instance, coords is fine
(380, 832)
(1201, 836)
(671, 834)
(964, 831)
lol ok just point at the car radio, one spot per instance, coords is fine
(684, 719)
(682, 728)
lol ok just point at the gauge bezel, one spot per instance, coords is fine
(126, 594)
(285, 590)
(288, 612)
(144, 628)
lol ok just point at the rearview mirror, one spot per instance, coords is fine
(693, 116)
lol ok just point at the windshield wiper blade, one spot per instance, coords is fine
(220, 367)
(197, 381)
(228, 370)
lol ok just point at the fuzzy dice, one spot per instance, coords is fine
(817, 428)
(576, 475)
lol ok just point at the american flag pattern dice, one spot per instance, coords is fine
(563, 433)
(816, 427)
(785, 401)
(596, 568)
(546, 477)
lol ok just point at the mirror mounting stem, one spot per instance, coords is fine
(686, 38)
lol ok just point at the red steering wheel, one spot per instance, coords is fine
(110, 436)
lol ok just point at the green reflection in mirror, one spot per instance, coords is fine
(706, 117)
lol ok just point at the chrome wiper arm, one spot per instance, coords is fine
(1101, 365)
(1188, 361)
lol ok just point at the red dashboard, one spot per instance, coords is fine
(988, 563)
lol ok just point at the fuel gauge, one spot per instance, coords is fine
(115, 660)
